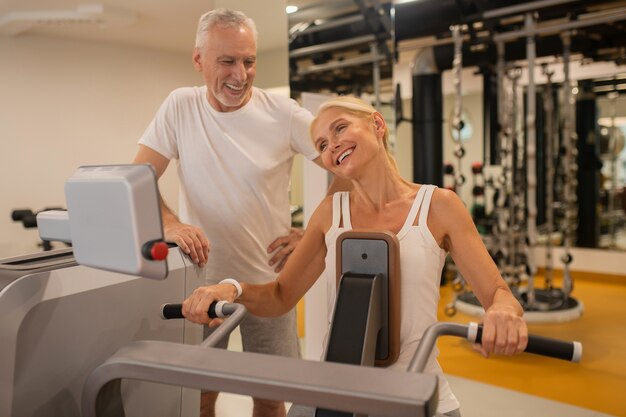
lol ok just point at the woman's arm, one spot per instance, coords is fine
(274, 298)
(504, 330)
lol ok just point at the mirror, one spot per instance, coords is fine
(611, 105)
(320, 61)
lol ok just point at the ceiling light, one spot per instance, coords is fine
(291, 9)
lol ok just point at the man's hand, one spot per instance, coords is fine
(190, 239)
(285, 245)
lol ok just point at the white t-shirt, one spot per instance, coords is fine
(421, 264)
(234, 171)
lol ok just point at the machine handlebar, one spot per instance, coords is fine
(217, 309)
(554, 348)
(539, 345)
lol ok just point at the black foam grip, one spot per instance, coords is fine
(544, 346)
(175, 311)
(18, 215)
(172, 311)
(29, 221)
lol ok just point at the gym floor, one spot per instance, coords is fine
(529, 385)
(597, 383)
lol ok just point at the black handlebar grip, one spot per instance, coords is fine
(546, 346)
(18, 215)
(175, 311)
(29, 221)
(172, 311)
(211, 311)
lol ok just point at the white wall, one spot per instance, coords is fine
(67, 103)
(272, 69)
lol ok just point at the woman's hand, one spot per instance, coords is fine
(196, 306)
(504, 332)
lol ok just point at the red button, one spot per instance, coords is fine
(159, 251)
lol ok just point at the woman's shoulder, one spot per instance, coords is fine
(445, 203)
(443, 195)
(446, 207)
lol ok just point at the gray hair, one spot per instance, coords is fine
(225, 18)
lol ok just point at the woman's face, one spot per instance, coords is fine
(346, 142)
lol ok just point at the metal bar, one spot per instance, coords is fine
(457, 119)
(596, 18)
(428, 42)
(531, 161)
(329, 46)
(570, 146)
(376, 76)
(614, 15)
(613, 191)
(329, 25)
(221, 332)
(551, 149)
(361, 389)
(522, 8)
(426, 345)
(365, 59)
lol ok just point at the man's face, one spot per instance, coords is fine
(227, 62)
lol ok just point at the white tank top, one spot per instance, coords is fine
(421, 264)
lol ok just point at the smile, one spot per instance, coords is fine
(234, 87)
(344, 155)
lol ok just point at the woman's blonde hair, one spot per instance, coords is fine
(359, 108)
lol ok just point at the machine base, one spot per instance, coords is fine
(549, 307)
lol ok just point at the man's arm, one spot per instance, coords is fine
(190, 239)
(285, 245)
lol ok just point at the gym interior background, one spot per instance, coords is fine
(80, 83)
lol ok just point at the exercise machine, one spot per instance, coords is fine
(363, 332)
(514, 233)
(63, 312)
(142, 375)
(28, 218)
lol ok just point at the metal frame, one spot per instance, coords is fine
(373, 391)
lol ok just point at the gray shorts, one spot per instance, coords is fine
(274, 336)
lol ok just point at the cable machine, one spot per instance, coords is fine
(514, 231)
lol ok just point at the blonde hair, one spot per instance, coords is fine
(359, 108)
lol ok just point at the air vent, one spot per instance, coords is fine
(16, 22)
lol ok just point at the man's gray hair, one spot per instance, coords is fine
(225, 18)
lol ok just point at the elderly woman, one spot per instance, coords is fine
(429, 222)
